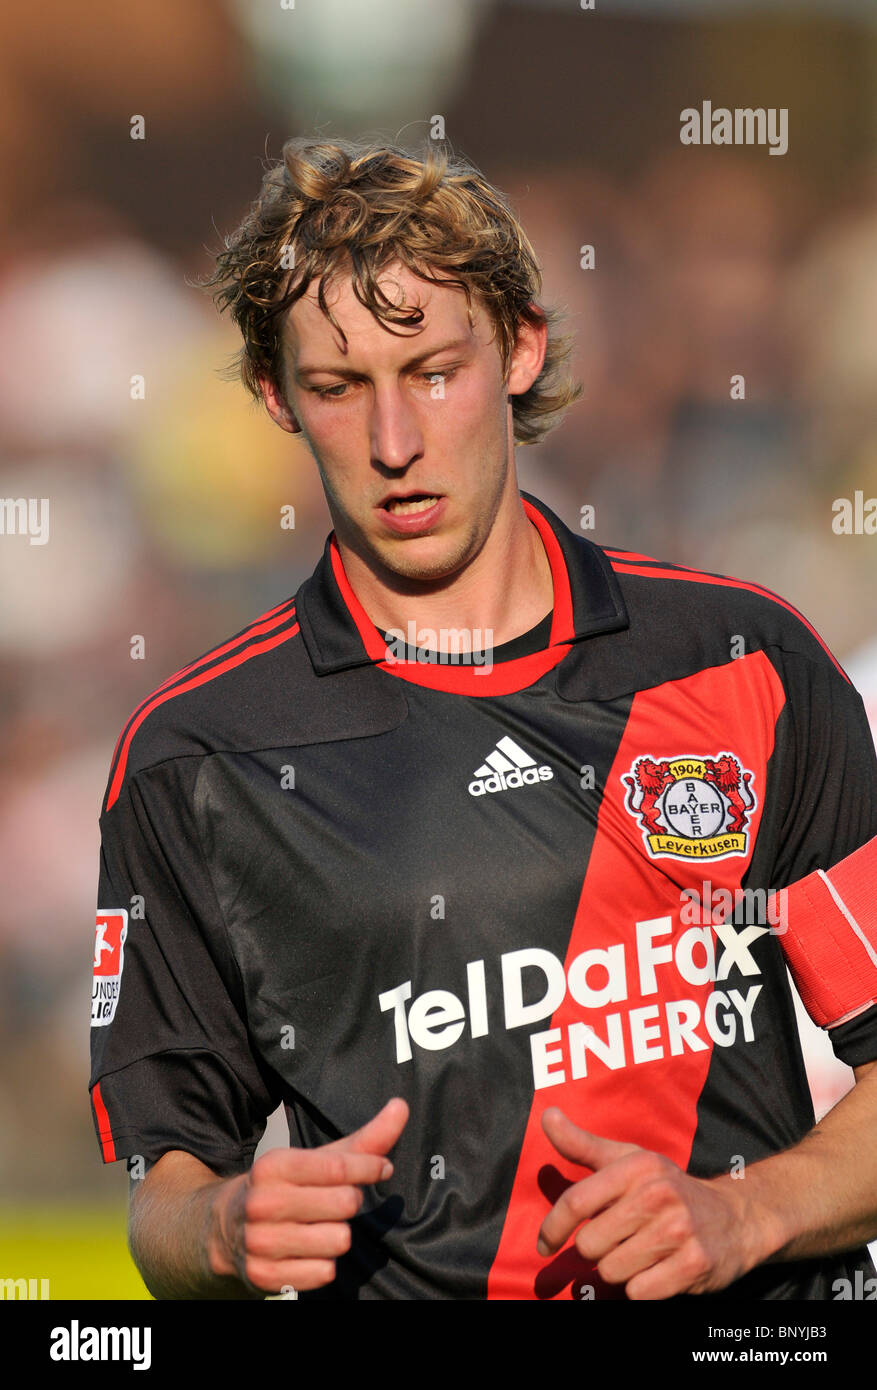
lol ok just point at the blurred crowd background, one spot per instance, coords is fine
(165, 511)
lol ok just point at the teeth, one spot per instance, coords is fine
(403, 508)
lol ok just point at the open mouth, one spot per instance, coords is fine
(408, 506)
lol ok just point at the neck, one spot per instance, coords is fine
(503, 592)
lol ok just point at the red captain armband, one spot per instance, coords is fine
(830, 941)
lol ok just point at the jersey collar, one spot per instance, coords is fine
(338, 633)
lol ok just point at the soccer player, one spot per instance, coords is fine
(453, 852)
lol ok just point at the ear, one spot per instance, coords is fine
(277, 408)
(528, 353)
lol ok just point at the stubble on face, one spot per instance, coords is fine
(474, 479)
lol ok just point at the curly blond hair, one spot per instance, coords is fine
(327, 207)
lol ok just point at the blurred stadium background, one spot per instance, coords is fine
(165, 511)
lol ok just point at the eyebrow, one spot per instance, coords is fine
(452, 346)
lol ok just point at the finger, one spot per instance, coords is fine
(286, 1240)
(579, 1203)
(647, 1246)
(269, 1276)
(603, 1233)
(281, 1202)
(580, 1145)
(380, 1133)
(675, 1259)
(322, 1167)
(681, 1272)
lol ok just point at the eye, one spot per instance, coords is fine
(436, 374)
(334, 392)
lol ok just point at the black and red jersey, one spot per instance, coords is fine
(330, 876)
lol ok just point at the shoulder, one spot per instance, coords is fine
(648, 621)
(714, 615)
(222, 699)
(257, 690)
(679, 622)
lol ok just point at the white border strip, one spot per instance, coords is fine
(849, 916)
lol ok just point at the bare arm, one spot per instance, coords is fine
(170, 1215)
(194, 1235)
(823, 1192)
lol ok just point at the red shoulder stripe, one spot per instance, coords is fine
(627, 554)
(725, 581)
(266, 623)
(201, 679)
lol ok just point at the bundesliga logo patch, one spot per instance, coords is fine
(111, 930)
(690, 807)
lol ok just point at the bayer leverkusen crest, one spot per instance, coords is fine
(691, 807)
(111, 930)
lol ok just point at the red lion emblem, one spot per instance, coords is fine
(651, 778)
(725, 772)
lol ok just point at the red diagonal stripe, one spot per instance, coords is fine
(261, 625)
(628, 554)
(201, 679)
(652, 1101)
(266, 623)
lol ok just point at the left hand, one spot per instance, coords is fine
(649, 1225)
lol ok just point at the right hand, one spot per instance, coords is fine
(286, 1221)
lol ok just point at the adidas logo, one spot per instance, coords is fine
(507, 766)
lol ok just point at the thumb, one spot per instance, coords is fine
(380, 1133)
(591, 1150)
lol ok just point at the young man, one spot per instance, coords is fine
(443, 906)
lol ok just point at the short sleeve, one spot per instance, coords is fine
(828, 789)
(171, 1061)
(828, 784)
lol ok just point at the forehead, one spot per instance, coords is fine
(309, 338)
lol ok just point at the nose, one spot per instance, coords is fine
(396, 438)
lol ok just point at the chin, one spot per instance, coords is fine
(423, 571)
(402, 561)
